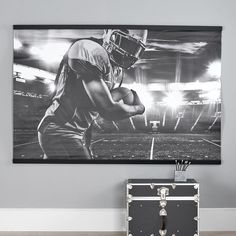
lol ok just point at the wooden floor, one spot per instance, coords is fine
(97, 234)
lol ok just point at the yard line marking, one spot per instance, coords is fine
(96, 123)
(24, 144)
(210, 127)
(164, 119)
(96, 141)
(145, 119)
(198, 118)
(208, 141)
(151, 150)
(177, 123)
(132, 123)
(116, 126)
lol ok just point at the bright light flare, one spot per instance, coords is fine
(213, 95)
(51, 52)
(174, 99)
(143, 93)
(52, 87)
(35, 51)
(205, 86)
(17, 44)
(48, 81)
(50, 84)
(214, 69)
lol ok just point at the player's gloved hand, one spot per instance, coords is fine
(137, 102)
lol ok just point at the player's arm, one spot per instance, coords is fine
(109, 109)
(101, 97)
(88, 139)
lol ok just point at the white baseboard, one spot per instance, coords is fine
(27, 219)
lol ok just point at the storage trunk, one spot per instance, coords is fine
(162, 207)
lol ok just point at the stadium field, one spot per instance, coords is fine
(158, 146)
(140, 146)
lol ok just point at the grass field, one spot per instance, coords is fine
(139, 146)
(159, 146)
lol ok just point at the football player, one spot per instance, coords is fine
(84, 84)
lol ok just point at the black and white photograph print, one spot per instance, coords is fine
(116, 94)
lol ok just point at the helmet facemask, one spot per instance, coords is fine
(124, 49)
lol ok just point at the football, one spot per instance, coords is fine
(123, 94)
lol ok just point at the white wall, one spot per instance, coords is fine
(102, 186)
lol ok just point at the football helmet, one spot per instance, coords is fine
(124, 47)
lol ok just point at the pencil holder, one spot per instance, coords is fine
(180, 176)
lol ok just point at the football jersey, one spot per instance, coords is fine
(71, 106)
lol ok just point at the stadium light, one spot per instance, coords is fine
(214, 69)
(28, 76)
(173, 99)
(32, 73)
(17, 44)
(51, 52)
(24, 71)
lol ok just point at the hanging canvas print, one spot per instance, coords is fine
(117, 94)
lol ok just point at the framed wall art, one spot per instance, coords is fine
(117, 94)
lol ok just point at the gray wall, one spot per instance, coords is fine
(102, 186)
